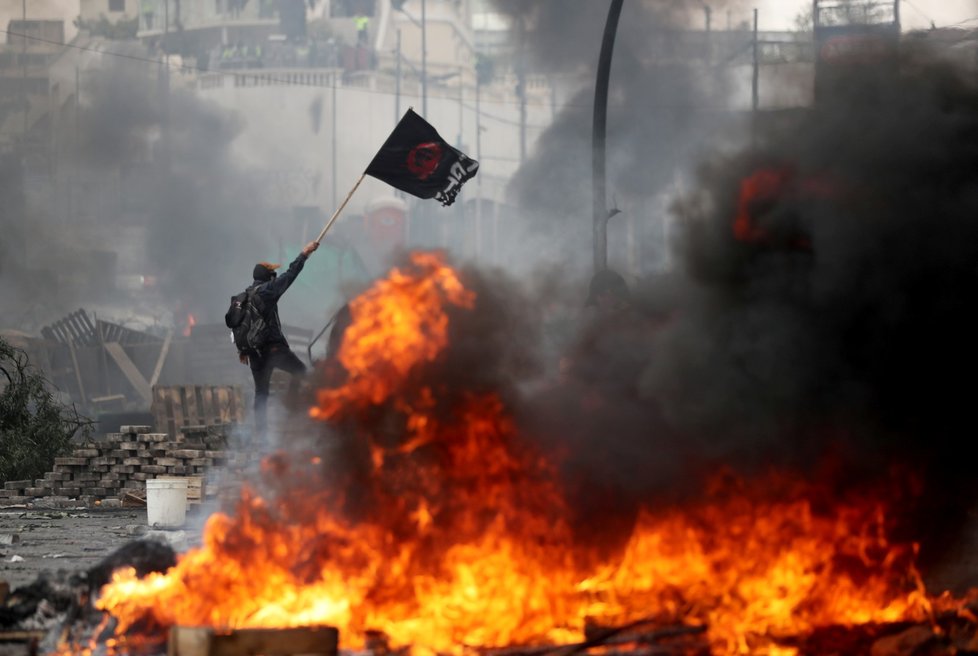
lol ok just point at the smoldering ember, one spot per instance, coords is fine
(680, 368)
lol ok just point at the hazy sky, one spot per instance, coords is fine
(780, 14)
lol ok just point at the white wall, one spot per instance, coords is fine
(93, 9)
(280, 139)
(66, 10)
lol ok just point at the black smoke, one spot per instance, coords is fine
(662, 109)
(845, 336)
(203, 218)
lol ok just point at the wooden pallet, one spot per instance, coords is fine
(177, 406)
(195, 489)
(202, 641)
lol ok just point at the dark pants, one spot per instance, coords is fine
(262, 366)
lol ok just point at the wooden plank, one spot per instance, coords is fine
(21, 636)
(199, 404)
(132, 374)
(237, 405)
(171, 424)
(164, 351)
(206, 400)
(78, 377)
(203, 641)
(189, 399)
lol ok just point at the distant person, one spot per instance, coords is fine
(362, 23)
(148, 8)
(272, 352)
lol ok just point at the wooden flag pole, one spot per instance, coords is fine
(339, 209)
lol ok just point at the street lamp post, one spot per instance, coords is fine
(598, 138)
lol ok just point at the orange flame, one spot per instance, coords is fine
(461, 536)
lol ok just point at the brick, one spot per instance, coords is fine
(103, 460)
(71, 461)
(17, 499)
(111, 503)
(144, 453)
(101, 469)
(129, 446)
(140, 476)
(68, 491)
(95, 491)
(132, 461)
(16, 485)
(151, 438)
(86, 476)
(86, 453)
(180, 471)
(186, 453)
(167, 462)
(123, 469)
(134, 485)
(37, 492)
(135, 429)
(216, 454)
(153, 469)
(200, 462)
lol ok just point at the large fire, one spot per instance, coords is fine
(459, 534)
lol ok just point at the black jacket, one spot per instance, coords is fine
(268, 294)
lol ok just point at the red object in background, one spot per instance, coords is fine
(385, 223)
(189, 325)
(763, 190)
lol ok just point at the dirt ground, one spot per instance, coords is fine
(75, 540)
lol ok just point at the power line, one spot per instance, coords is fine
(199, 69)
(919, 11)
(334, 85)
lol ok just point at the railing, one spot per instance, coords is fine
(831, 13)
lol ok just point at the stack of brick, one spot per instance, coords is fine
(121, 463)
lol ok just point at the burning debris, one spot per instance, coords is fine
(454, 533)
(790, 430)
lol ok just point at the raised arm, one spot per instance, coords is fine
(277, 287)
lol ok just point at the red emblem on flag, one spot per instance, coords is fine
(424, 159)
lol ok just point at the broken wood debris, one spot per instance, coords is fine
(647, 637)
(202, 641)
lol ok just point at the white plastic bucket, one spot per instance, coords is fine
(166, 502)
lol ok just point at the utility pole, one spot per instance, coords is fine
(521, 86)
(478, 157)
(397, 81)
(461, 103)
(23, 68)
(599, 134)
(708, 41)
(424, 58)
(336, 82)
(754, 95)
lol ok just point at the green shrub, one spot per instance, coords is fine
(35, 427)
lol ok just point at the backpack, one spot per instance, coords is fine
(249, 330)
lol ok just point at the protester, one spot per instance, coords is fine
(274, 352)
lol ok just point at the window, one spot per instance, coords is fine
(117, 5)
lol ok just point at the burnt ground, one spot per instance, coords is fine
(75, 540)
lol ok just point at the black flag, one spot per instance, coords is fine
(417, 160)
